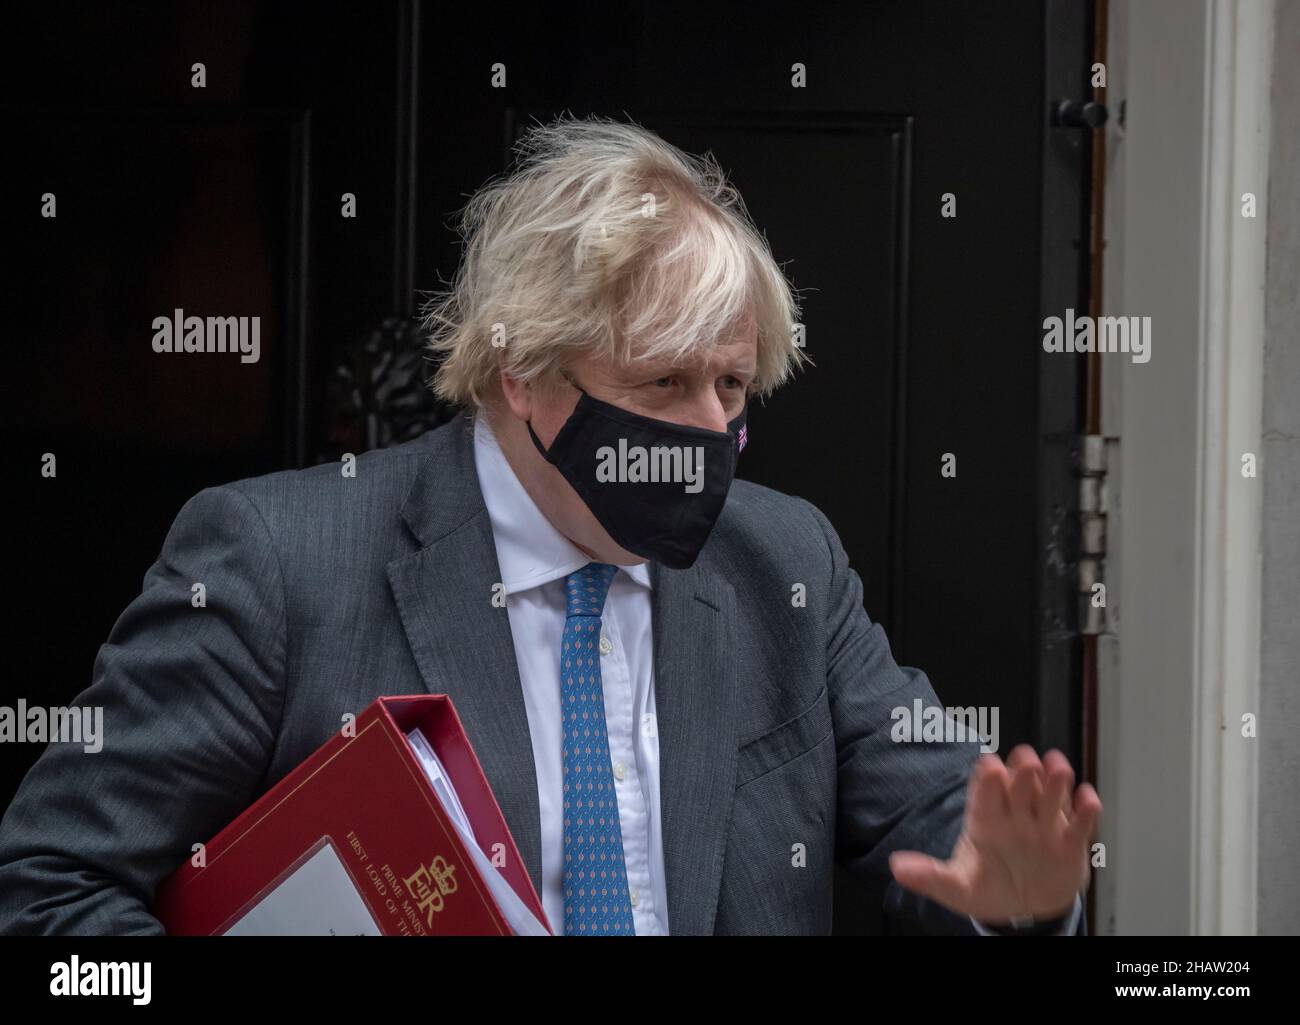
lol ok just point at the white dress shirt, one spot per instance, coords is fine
(534, 559)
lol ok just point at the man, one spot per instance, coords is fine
(688, 652)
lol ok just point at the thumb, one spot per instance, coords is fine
(930, 877)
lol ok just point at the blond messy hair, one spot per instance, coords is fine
(605, 241)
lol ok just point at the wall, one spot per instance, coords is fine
(1279, 710)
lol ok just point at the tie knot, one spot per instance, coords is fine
(587, 588)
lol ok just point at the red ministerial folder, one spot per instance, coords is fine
(356, 839)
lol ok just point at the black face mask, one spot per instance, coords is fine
(656, 487)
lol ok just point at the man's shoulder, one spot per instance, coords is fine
(753, 506)
(369, 477)
(770, 525)
(356, 503)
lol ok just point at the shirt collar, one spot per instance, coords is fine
(530, 551)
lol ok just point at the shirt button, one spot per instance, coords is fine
(647, 725)
(635, 898)
(606, 645)
(620, 770)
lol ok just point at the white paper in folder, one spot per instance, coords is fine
(516, 912)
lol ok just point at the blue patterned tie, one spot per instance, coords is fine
(596, 901)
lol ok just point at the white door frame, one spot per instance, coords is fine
(1179, 666)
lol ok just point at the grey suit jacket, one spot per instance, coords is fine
(324, 592)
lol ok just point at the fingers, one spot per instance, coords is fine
(987, 796)
(1058, 784)
(1086, 811)
(1026, 782)
(1042, 791)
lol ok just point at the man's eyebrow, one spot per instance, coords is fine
(661, 367)
(647, 368)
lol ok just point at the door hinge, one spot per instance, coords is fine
(1093, 507)
(1078, 114)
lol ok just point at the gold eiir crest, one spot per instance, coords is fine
(431, 885)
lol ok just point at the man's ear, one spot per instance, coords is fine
(518, 396)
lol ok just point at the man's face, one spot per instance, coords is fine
(708, 393)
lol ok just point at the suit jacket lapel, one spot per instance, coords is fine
(460, 639)
(695, 693)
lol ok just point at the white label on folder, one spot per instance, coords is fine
(317, 899)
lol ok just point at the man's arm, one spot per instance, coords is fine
(191, 700)
(892, 796)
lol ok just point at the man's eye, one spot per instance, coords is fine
(662, 382)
